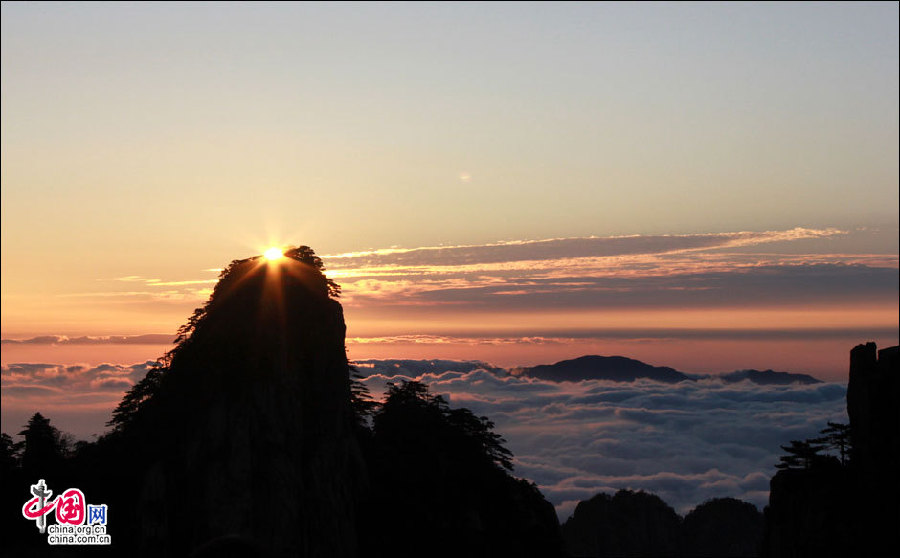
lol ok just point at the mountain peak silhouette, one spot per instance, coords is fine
(260, 316)
(248, 419)
(594, 367)
(250, 437)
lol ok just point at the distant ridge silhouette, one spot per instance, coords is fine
(767, 377)
(415, 368)
(624, 369)
(593, 367)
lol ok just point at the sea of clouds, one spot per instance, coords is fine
(686, 442)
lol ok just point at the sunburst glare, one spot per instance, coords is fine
(273, 254)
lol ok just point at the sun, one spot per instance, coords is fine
(273, 254)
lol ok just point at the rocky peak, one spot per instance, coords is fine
(252, 417)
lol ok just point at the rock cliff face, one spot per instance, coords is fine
(835, 510)
(809, 513)
(253, 446)
(873, 404)
(722, 527)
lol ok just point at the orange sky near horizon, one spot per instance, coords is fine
(694, 302)
(803, 339)
(826, 359)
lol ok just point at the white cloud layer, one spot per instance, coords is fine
(686, 442)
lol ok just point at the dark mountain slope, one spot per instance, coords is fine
(251, 439)
(244, 431)
(822, 506)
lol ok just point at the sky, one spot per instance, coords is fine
(710, 187)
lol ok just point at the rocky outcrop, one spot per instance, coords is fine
(722, 527)
(641, 524)
(809, 513)
(835, 510)
(249, 427)
(873, 403)
(626, 524)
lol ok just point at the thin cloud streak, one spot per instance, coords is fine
(573, 336)
(690, 271)
(144, 339)
(758, 285)
(578, 247)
